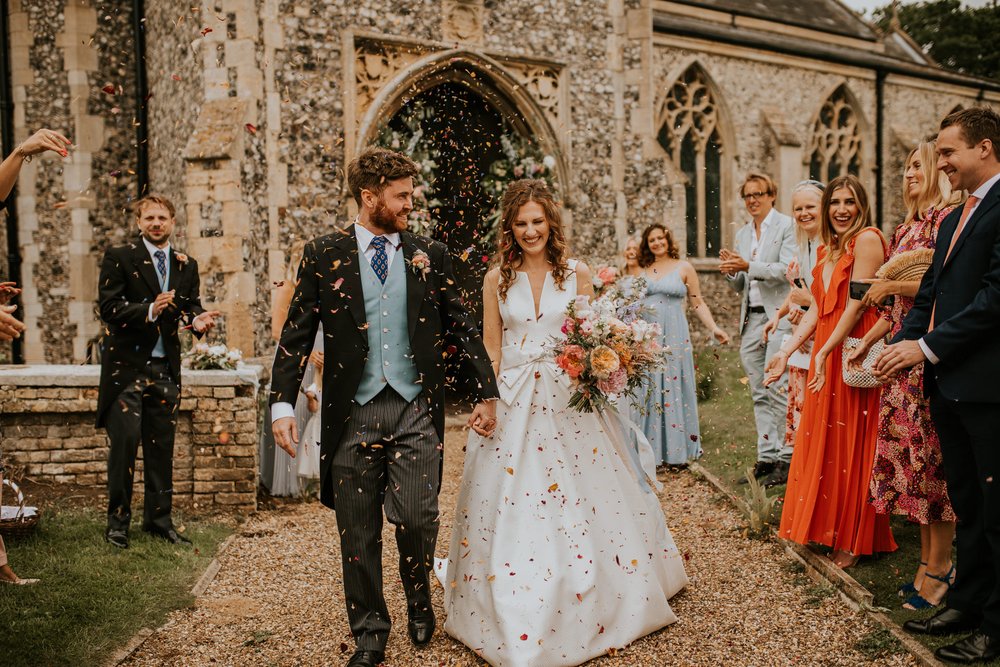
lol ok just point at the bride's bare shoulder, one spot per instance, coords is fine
(492, 278)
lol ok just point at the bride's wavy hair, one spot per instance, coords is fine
(509, 253)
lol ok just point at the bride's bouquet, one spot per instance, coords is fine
(609, 351)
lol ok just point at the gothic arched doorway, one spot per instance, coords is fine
(468, 148)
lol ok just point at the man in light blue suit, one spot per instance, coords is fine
(756, 269)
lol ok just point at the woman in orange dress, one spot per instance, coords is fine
(826, 500)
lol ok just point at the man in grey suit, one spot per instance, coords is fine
(756, 269)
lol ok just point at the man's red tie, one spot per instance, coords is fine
(970, 204)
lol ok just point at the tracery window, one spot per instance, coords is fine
(689, 132)
(835, 148)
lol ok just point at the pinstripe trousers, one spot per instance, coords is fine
(389, 457)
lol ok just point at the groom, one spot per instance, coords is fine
(391, 313)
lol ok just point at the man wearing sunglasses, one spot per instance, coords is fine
(756, 269)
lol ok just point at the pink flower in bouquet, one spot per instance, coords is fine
(569, 324)
(603, 362)
(586, 327)
(571, 360)
(615, 383)
(607, 274)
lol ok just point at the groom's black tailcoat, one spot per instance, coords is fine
(963, 293)
(329, 290)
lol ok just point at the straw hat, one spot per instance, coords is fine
(907, 266)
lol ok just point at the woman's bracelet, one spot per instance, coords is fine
(20, 151)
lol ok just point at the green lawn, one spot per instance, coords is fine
(93, 598)
(728, 439)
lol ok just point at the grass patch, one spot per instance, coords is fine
(878, 643)
(817, 593)
(93, 598)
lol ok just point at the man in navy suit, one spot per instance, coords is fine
(954, 326)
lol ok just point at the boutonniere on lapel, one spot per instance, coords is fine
(182, 259)
(421, 264)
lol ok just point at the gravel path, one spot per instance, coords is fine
(278, 601)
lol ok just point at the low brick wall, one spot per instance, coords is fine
(47, 429)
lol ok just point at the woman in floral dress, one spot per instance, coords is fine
(907, 477)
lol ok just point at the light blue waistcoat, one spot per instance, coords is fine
(390, 359)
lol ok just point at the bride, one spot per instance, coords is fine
(560, 550)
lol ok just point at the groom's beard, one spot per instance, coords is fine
(385, 220)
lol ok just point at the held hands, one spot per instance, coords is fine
(898, 357)
(879, 291)
(483, 419)
(286, 434)
(45, 140)
(10, 326)
(7, 292)
(205, 321)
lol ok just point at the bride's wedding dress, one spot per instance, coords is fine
(559, 550)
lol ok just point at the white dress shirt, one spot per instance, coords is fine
(365, 247)
(158, 350)
(979, 194)
(754, 292)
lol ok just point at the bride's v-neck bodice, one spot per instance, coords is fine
(527, 339)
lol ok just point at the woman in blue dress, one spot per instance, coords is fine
(670, 417)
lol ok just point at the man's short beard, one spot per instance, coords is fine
(384, 220)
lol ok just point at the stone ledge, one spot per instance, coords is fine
(65, 375)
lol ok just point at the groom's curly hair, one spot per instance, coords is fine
(374, 168)
(509, 253)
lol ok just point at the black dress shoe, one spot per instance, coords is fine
(977, 647)
(171, 536)
(760, 469)
(365, 658)
(421, 627)
(116, 538)
(777, 476)
(946, 622)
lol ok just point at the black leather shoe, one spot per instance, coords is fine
(421, 627)
(977, 647)
(777, 476)
(116, 538)
(945, 622)
(760, 469)
(363, 658)
(171, 536)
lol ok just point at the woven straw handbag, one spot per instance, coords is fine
(907, 266)
(863, 377)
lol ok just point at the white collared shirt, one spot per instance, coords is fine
(366, 248)
(754, 292)
(979, 194)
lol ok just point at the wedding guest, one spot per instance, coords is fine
(147, 290)
(631, 256)
(827, 493)
(279, 473)
(7, 575)
(806, 198)
(41, 141)
(756, 269)
(908, 477)
(670, 418)
(955, 325)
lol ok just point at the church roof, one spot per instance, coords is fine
(829, 16)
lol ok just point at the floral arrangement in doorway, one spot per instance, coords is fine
(412, 143)
(522, 159)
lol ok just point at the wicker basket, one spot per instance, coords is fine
(907, 266)
(21, 524)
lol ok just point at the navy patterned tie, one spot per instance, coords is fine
(161, 266)
(380, 260)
